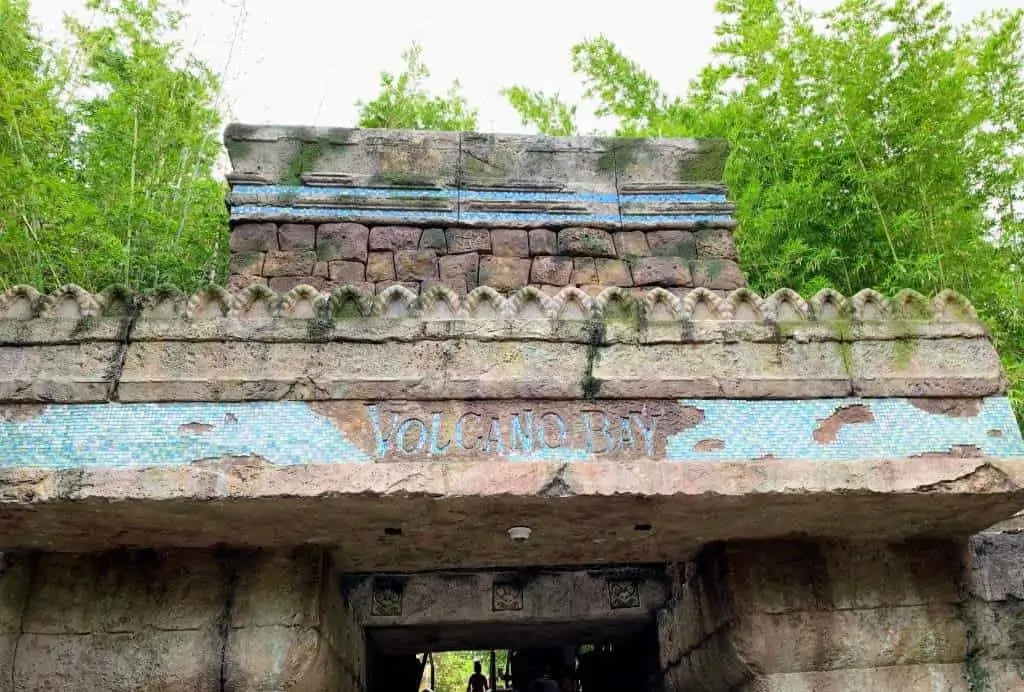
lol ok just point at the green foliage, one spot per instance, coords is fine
(107, 151)
(405, 103)
(547, 113)
(874, 145)
(453, 668)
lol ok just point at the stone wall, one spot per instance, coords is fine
(994, 611)
(372, 258)
(808, 615)
(176, 621)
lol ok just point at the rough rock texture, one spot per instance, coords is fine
(816, 615)
(246, 501)
(214, 346)
(670, 258)
(409, 613)
(176, 621)
(993, 611)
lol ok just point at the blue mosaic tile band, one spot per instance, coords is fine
(482, 207)
(289, 433)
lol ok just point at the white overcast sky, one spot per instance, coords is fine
(308, 61)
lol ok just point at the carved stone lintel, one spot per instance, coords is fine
(387, 599)
(623, 594)
(507, 597)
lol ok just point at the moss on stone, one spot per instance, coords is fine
(398, 179)
(708, 164)
(303, 162)
(619, 154)
(903, 352)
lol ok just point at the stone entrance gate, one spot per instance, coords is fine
(429, 339)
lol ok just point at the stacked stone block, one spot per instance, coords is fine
(180, 620)
(372, 258)
(817, 615)
(993, 610)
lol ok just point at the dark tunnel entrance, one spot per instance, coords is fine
(591, 629)
(579, 656)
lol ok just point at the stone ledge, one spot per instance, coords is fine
(73, 347)
(71, 315)
(581, 513)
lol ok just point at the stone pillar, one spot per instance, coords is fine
(799, 616)
(994, 611)
(182, 620)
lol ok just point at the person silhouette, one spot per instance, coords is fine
(477, 681)
(545, 683)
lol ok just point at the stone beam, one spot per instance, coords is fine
(74, 347)
(318, 175)
(410, 613)
(411, 516)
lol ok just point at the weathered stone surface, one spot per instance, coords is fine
(252, 371)
(73, 373)
(283, 284)
(297, 236)
(460, 268)
(510, 242)
(766, 615)
(15, 579)
(277, 588)
(947, 367)
(681, 244)
(995, 568)
(347, 272)
(555, 271)
(75, 594)
(543, 242)
(584, 271)
(927, 677)
(266, 659)
(323, 269)
(717, 274)
(246, 263)
(459, 285)
(631, 244)
(741, 370)
(468, 240)
(395, 238)
(382, 286)
(434, 239)
(653, 164)
(240, 282)
(367, 157)
(119, 662)
(661, 271)
(349, 505)
(380, 266)
(342, 241)
(550, 604)
(586, 242)
(254, 237)
(504, 273)
(416, 265)
(537, 162)
(147, 620)
(293, 263)
(613, 273)
(716, 243)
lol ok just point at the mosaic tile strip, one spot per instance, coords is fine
(289, 433)
(475, 207)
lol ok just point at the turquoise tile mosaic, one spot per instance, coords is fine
(288, 433)
(898, 428)
(125, 435)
